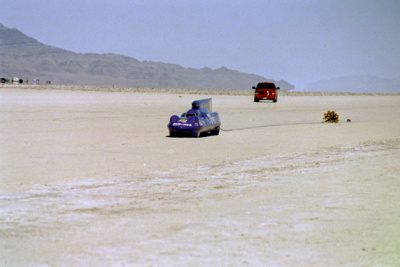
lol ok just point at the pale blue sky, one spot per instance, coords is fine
(296, 41)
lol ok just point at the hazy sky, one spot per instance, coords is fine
(293, 40)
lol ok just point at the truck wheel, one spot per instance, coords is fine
(256, 100)
(275, 100)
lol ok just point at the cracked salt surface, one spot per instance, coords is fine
(91, 196)
(127, 204)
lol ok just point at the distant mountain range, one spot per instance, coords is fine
(355, 84)
(28, 59)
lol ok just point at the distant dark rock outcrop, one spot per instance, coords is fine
(26, 58)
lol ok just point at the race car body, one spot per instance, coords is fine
(196, 121)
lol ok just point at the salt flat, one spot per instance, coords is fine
(91, 177)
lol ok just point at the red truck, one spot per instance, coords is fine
(265, 91)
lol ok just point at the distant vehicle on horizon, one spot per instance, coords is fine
(4, 80)
(265, 91)
(14, 80)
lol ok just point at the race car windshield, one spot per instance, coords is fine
(191, 114)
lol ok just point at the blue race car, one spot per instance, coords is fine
(196, 121)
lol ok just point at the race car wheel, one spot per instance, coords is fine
(215, 132)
